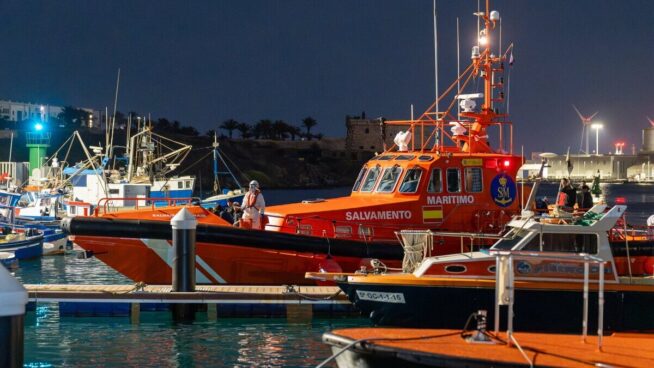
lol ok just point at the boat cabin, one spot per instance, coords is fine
(585, 235)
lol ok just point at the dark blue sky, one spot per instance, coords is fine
(202, 62)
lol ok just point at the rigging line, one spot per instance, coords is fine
(447, 111)
(247, 178)
(195, 163)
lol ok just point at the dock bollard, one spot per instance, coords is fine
(184, 225)
(13, 298)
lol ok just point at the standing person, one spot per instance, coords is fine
(253, 206)
(230, 207)
(567, 195)
(586, 198)
(238, 214)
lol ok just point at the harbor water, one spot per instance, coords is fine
(55, 341)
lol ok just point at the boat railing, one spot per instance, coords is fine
(141, 203)
(505, 286)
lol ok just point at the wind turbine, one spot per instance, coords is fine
(585, 120)
(650, 120)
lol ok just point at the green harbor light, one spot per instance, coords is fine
(38, 142)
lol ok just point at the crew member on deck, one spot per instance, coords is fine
(567, 195)
(253, 207)
(586, 198)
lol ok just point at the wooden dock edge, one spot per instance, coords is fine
(295, 303)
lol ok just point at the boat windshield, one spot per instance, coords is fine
(357, 183)
(411, 180)
(389, 179)
(371, 179)
(513, 237)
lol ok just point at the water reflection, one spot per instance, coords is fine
(113, 342)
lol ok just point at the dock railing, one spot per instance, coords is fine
(505, 287)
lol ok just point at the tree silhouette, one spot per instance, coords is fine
(229, 125)
(309, 123)
(294, 131)
(280, 128)
(244, 129)
(263, 129)
(74, 117)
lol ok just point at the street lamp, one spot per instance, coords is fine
(597, 127)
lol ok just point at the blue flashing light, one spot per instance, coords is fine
(38, 127)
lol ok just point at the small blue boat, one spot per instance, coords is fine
(235, 195)
(9, 260)
(24, 245)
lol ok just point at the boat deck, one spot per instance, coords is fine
(447, 347)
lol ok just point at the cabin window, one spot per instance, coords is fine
(411, 180)
(188, 184)
(365, 232)
(474, 180)
(455, 269)
(371, 179)
(304, 229)
(435, 182)
(73, 210)
(389, 179)
(343, 231)
(405, 157)
(453, 180)
(114, 191)
(569, 243)
(425, 158)
(512, 238)
(180, 185)
(386, 158)
(357, 183)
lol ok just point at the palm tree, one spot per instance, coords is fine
(294, 131)
(280, 128)
(309, 123)
(263, 129)
(244, 129)
(72, 116)
(229, 125)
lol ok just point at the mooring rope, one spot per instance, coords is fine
(290, 289)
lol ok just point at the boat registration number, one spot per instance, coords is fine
(379, 296)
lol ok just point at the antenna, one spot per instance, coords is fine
(458, 70)
(585, 120)
(650, 121)
(436, 70)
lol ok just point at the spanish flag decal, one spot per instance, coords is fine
(432, 214)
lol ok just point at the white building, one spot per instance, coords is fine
(18, 111)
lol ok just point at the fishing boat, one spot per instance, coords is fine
(9, 260)
(222, 195)
(443, 172)
(23, 244)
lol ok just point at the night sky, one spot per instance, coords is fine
(202, 62)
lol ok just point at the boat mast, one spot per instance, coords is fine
(216, 182)
(113, 120)
(436, 112)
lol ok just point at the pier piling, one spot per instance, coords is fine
(13, 298)
(184, 225)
